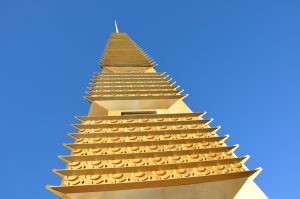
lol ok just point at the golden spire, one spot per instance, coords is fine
(140, 138)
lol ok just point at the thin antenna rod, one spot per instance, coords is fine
(116, 25)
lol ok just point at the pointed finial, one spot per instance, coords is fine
(116, 26)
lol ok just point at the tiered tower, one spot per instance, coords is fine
(140, 140)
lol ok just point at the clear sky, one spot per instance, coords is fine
(238, 60)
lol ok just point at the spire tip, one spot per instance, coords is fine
(116, 26)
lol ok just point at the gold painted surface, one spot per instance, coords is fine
(120, 152)
(121, 51)
(145, 117)
(240, 188)
(154, 134)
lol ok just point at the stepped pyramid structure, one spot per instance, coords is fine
(140, 140)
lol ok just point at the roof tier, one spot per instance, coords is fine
(139, 151)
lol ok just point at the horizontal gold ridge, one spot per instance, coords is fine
(98, 80)
(142, 116)
(113, 170)
(110, 93)
(141, 124)
(136, 133)
(145, 143)
(113, 75)
(151, 184)
(166, 153)
(138, 97)
(134, 83)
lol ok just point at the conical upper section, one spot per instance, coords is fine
(121, 51)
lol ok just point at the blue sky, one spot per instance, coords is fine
(238, 60)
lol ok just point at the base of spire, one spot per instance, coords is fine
(243, 188)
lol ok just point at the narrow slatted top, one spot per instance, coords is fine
(121, 51)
